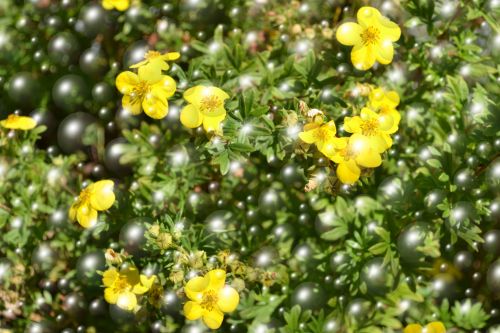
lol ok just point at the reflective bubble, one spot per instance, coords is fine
(43, 257)
(358, 309)
(392, 190)
(464, 179)
(103, 93)
(24, 89)
(70, 92)
(132, 236)
(292, 175)
(114, 151)
(492, 242)
(93, 20)
(120, 316)
(40, 327)
(63, 49)
(461, 212)
(309, 295)
(266, 257)
(74, 304)
(444, 286)
(283, 232)
(98, 307)
(493, 175)
(93, 62)
(269, 202)
(135, 53)
(71, 130)
(171, 303)
(463, 260)
(88, 265)
(46, 118)
(375, 275)
(409, 240)
(219, 221)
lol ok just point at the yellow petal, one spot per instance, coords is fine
(216, 279)
(132, 108)
(155, 106)
(213, 319)
(368, 16)
(102, 196)
(352, 124)
(192, 95)
(86, 215)
(151, 72)
(131, 274)
(393, 97)
(369, 159)
(126, 81)
(308, 136)
(348, 172)
(413, 328)
(194, 288)
(395, 116)
(384, 52)
(109, 277)
(107, 4)
(122, 5)
(170, 56)
(388, 30)
(144, 285)
(330, 148)
(165, 88)
(192, 310)
(147, 281)
(190, 116)
(72, 211)
(139, 64)
(379, 142)
(385, 122)
(368, 114)
(362, 57)
(349, 33)
(212, 124)
(110, 296)
(228, 299)
(435, 327)
(126, 300)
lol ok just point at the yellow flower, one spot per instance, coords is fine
(322, 135)
(376, 127)
(206, 106)
(210, 298)
(354, 152)
(120, 5)
(95, 197)
(154, 62)
(386, 102)
(16, 122)
(140, 91)
(123, 286)
(434, 327)
(372, 38)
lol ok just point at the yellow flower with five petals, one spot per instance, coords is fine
(122, 287)
(141, 92)
(351, 154)
(376, 127)
(120, 5)
(154, 63)
(434, 327)
(385, 102)
(322, 135)
(206, 106)
(16, 122)
(95, 197)
(371, 38)
(210, 298)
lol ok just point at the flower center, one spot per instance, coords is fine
(321, 134)
(152, 54)
(369, 127)
(121, 284)
(210, 104)
(84, 195)
(370, 36)
(209, 300)
(140, 91)
(347, 153)
(12, 117)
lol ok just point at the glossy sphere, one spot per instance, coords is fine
(63, 49)
(24, 89)
(309, 295)
(71, 130)
(70, 92)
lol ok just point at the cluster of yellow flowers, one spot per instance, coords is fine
(370, 135)
(372, 38)
(95, 197)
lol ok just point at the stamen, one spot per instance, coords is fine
(370, 36)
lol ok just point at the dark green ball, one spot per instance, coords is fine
(309, 295)
(409, 240)
(93, 20)
(375, 275)
(70, 92)
(24, 89)
(493, 278)
(71, 131)
(103, 93)
(88, 265)
(63, 49)
(93, 62)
